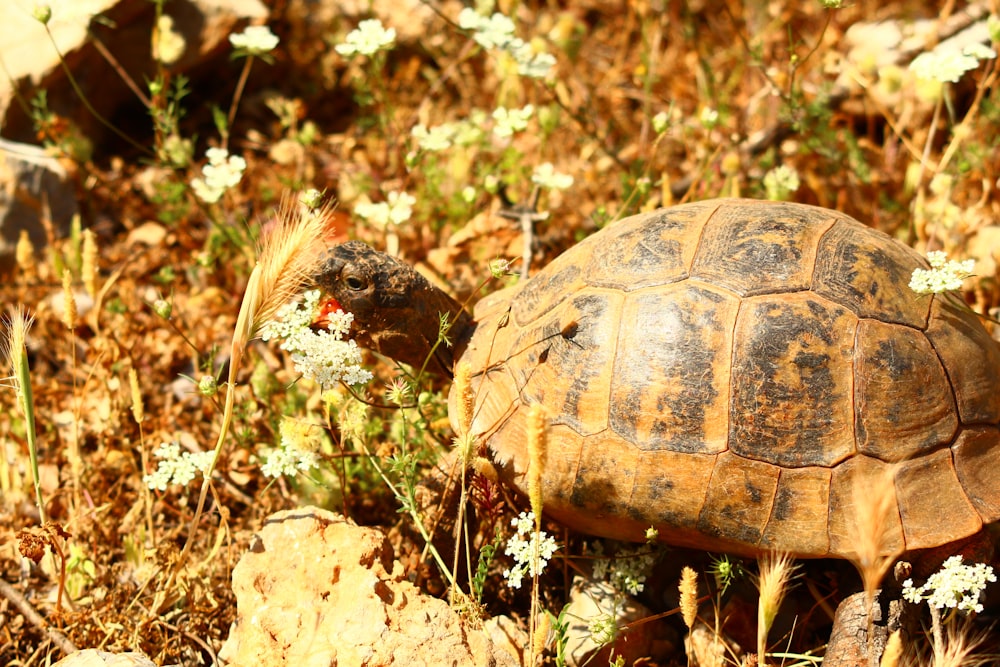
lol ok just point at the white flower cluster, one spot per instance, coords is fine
(435, 138)
(944, 275)
(222, 172)
(509, 121)
(781, 182)
(628, 570)
(396, 210)
(660, 122)
(464, 132)
(168, 44)
(947, 65)
(368, 38)
(531, 551)
(323, 356)
(546, 176)
(256, 39)
(176, 467)
(299, 450)
(954, 586)
(497, 32)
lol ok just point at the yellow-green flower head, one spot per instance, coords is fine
(256, 39)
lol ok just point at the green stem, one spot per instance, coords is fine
(28, 406)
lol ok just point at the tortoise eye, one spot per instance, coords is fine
(354, 283)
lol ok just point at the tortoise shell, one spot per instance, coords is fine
(731, 373)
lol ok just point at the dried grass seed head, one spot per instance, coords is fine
(69, 301)
(289, 253)
(689, 596)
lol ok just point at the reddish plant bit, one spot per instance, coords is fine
(486, 497)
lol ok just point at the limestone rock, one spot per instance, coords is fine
(93, 658)
(33, 184)
(590, 600)
(316, 589)
(32, 59)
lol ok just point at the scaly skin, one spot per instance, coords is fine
(397, 312)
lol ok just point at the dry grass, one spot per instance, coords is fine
(776, 572)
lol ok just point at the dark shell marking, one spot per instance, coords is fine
(731, 371)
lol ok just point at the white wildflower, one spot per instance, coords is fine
(948, 64)
(532, 64)
(944, 275)
(628, 570)
(436, 138)
(396, 210)
(322, 355)
(530, 555)
(954, 586)
(298, 450)
(497, 32)
(256, 39)
(176, 467)
(709, 117)
(660, 122)
(222, 172)
(168, 44)
(546, 176)
(509, 121)
(489, 32)
(781, 182)
(367, 39)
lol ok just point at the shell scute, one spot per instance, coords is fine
(793, 381)
(647, 250)
(927, 488)
(671, 487)
(740, 496)
(564, 359)
(972, 360)
(903, 402)
(801, 503)
(866, 271)
(852, 507)
(761, 251)
(670, 385)
(977, 463)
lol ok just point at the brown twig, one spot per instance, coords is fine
(33, 617)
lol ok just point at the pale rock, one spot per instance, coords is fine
(32, 59)
(33, 184)
(315, 589)
(93, 658)
(591, 600)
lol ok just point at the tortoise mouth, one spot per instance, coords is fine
(322, 319)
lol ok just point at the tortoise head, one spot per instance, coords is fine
(397, 312)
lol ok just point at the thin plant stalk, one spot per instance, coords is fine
(237, 96)
(83, 98)
(288, 256)
(414, 515)
(18, 324)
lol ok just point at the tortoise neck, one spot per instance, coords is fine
(414, 335)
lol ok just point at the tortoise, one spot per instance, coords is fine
(728, 372)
